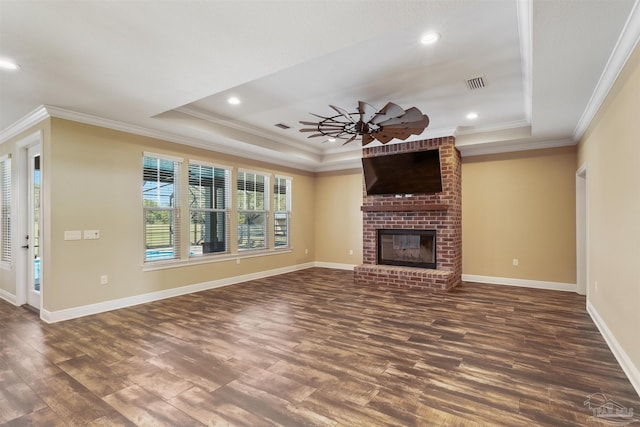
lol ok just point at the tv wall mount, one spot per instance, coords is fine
(391, 122)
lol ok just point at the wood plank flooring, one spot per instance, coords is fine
(311, 348)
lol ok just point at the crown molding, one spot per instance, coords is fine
(208, 116)
(31, 119)
(627, 42)
(47, 111)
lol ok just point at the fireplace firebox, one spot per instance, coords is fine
(410, 248)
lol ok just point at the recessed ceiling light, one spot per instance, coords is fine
(472, 116)
(430, 38)
(7, 64)
(331, 140)
(234, 100)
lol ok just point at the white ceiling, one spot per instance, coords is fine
(166, 68)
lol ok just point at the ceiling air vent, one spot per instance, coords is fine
(282, 126)
(476, 83)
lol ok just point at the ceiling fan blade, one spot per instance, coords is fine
(366, 111)
(316, 135)
(309, 130)
(389, 111)
(367, 138)
(407, 132)
(351, 139)
(382, 137)
(344, 113)
(335, 133)
(412, 115)
(333, 125)
(396, 133)
(302, 122)
(418, 124)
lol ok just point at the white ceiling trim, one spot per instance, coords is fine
(629, 38)
(203, 115)
(46, 111)
(31, 119)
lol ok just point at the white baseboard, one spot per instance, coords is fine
(86, 310)
(334, 265)
(8, 297)
(538, 284)
(632, 371)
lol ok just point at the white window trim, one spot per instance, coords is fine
(245, 254)
(257, 172)
(211, 165)
(163, 156)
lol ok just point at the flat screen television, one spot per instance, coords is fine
(403, 173)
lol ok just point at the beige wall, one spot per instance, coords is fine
(95, 183)
(338, 226)
(520, 205)
(611, 151)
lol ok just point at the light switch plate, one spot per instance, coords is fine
(72, 235)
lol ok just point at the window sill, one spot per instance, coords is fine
(210, 259)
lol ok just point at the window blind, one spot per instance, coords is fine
(161, 205)
(281, 211)
(5, 210)
(253, 206)
(209, 208)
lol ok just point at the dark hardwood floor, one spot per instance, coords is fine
(311, 348)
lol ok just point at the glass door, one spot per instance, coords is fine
(33, 229)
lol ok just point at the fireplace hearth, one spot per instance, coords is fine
(410, 248)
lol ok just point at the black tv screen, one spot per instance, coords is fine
(403, 173)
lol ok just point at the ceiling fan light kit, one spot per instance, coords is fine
(391, 122)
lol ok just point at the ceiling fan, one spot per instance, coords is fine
(390, 122)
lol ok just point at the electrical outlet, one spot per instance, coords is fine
(350, 251)
(515, 262)
(91, 234)
(237, 260)
(596, 285)
(104, 279)
(306, 251)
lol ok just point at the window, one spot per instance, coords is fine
(252, 197)
(5, 210)
(209, 204)
(281, 211)
(161, 179)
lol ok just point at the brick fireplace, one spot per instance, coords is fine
(439, 214)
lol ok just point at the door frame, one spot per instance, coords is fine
(21, 186)
(582, 232)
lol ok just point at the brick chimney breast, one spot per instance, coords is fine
(441, 212)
